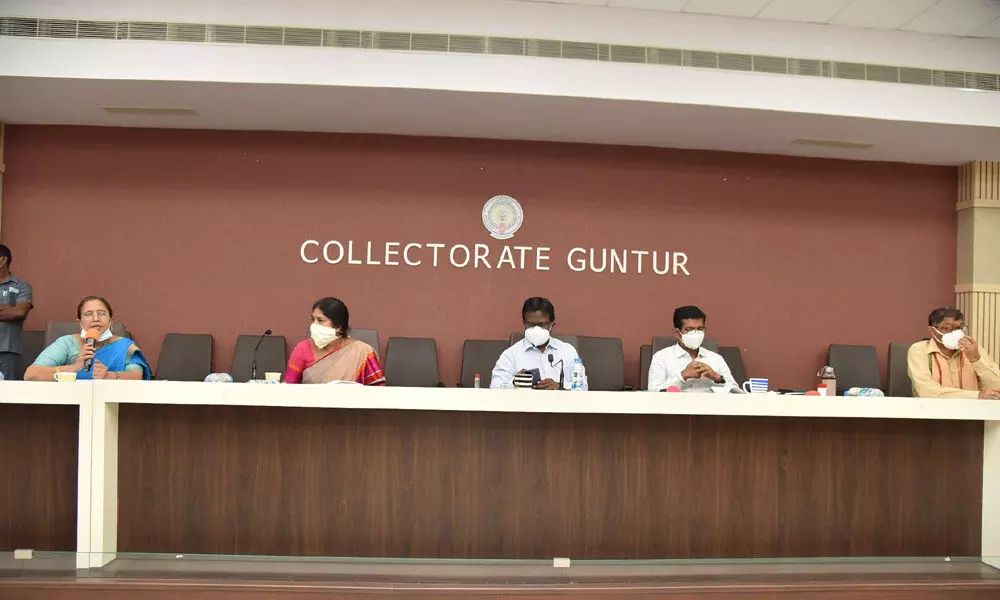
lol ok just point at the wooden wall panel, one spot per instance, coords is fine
(239, 480)
(38, 450)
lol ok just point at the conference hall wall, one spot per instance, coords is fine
(203, 231)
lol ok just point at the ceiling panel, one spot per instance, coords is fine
(955, 17)
(991, 30)
(812, 11)
(729, 8)
(881, 14)
(664, 5)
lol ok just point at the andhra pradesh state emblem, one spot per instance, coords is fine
(502, 217)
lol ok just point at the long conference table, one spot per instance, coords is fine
(109, 467)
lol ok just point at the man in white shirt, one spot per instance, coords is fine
(538, 350)
(686, 364)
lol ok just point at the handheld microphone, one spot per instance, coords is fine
(253, 360)
(90, 339)
(562, 369)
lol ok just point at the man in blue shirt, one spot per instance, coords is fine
(15, 303)
(538, 350)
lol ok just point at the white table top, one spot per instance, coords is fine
(531, 401)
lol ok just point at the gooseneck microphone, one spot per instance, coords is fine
(90, 339)
(562, 369)
(253, 361)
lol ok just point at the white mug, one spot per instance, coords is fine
(272, 377)
(64, 376)
(755, 385)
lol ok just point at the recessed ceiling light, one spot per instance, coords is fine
(834, 144)
(151, 110)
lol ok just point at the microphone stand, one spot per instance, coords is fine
(253, 360)
(562, 371)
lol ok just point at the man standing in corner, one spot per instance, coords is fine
(686, 364)
(950, 364)
(538, 350)
(15, 304)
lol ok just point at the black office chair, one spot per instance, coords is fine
(659, 343)
(645, 358)
(480, 356)
(411, 362)
(854, 366)
(899, 383)
(185, 357)
(734, 359)
(271, 356)
(604, 361)
(32, 344)
(368, 336)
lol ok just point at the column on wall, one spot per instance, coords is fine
(977, 289)
(3, 131)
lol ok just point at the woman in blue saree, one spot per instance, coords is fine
(114, 357)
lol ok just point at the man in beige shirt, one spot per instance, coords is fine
(950, 364)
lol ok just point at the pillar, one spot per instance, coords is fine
(977, 289)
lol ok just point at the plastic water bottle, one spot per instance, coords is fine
(1, 375)
(475, 382)
(578, 375)
(860, 391)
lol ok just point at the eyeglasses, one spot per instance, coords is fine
(91, 314)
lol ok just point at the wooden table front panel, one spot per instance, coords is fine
(291, 481)
(38, 473)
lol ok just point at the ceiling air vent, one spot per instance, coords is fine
(187, 32)
(700, 59)
(341, 38)
(770, 64)
(475, 44)
(627, 54)
(736, 62)
(57, 28)
(303, 36)
(543, 48)
(504, 45)
(472, 44)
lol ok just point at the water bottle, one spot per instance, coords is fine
(475, 381)
(578, 375)
(829, 379)
(860, 391)
(1, 375)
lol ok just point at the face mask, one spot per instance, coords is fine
(537, 336)
(950, 340)
(322, 335)
(101, 338)
(693, 339)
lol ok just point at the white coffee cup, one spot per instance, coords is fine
(272, 377)
(64, 376)
(755, 385)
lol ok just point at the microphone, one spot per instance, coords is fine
(253, 361)
(562, 369)
(90, 339)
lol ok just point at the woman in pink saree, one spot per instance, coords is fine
(330, 354)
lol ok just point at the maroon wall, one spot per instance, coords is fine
(199, 231)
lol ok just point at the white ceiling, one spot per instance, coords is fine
(492, 116)
(977, 18)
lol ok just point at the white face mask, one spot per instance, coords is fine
(106, 335)
(950, 340)
(537, 336)
(321, 335)
(693, 339)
